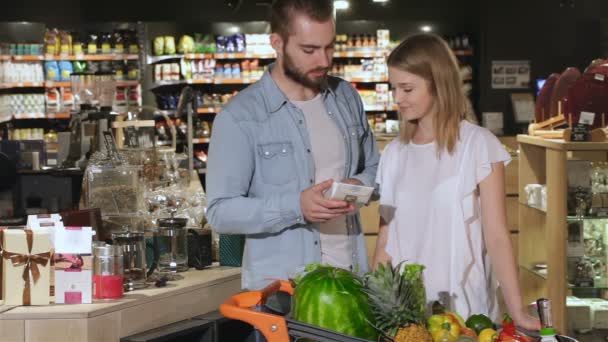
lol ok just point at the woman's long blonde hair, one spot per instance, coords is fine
(430, 57)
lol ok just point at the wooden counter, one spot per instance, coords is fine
(198, 293)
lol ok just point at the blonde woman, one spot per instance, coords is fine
(442, 188)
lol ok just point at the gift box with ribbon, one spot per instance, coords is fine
(26, 258)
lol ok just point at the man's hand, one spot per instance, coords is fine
(318, 209)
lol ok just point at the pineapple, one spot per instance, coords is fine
(398, 302)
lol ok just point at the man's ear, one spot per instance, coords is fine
(277, 43)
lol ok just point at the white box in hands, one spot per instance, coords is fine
(350, 193)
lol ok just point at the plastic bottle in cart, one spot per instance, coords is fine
(547, 332)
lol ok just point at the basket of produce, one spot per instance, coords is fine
(328, 304)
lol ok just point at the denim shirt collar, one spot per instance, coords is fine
(274, 98)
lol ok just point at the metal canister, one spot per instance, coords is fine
(544, 312)
(134, 256)
(107, 272)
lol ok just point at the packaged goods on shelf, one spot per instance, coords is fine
(22, 103)
(61, 42)
(258, 44)
(230, 44)
(22, 71)
(21, 49)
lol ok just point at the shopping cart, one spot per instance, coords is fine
(248, 306)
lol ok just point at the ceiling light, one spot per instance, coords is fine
(341, 4)
(380, 0)
(426, 28)
(234, 29)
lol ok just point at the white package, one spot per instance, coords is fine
(350, 193)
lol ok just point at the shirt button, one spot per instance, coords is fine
(308, 150)
(283, 150)
(301, 122)
(311, 181)
(344, 136)
(266, 153)
(298, 219)
(316, 242)
(329, 113)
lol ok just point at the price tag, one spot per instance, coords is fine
(79, 57)
(350, 54)
(599, 77)
(587, 118)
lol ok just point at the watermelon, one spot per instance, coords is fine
(331, 298)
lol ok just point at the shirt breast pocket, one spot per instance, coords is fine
(356, 132)
(277, 162)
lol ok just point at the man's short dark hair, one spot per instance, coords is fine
(283, 10)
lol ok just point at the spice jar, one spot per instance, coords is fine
(107, 272)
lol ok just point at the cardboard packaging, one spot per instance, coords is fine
(73, 279)
(26, 261)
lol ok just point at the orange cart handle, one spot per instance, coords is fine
(239, 307)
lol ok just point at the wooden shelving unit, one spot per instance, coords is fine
(543, 235)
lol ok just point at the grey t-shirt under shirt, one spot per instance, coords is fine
(329, 156)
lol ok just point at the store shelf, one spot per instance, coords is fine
(242, 55)
(65, 84)
(201, 141)
(467, 52)
(166, 83)
(209, 110)
(53, 84)
(360, 54)
(380, 108)
(384, 136)
(27, 58)
(201, 81)
(156, 59)
(366, 79)
(561, 145)
(539, 272)
(58, 115)
(108, 57)
(127, 83)
(198, 56)
(235, 80)
(29, 116)
(21, 85)
(5, 58)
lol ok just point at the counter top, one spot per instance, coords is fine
(200, 292)
(193, 280)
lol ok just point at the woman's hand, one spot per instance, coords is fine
(523, 320)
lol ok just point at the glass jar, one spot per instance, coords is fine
(134, 250)
(107, 271)
(172, 239)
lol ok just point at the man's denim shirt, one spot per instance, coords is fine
(260, 161)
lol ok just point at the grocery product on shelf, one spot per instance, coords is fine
(14, 104)
(21, 71)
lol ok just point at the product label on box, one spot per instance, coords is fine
(73, 279)
(72, 298)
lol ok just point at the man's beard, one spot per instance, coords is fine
(300, 77)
